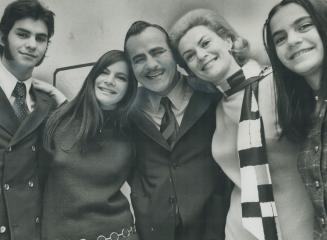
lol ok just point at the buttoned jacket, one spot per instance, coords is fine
(20, 145)
(183, 175)
(312, 165)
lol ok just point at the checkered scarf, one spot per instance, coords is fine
(259, 214)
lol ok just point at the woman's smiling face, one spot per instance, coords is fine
(207, 54)
(111, 85)
(297, 41)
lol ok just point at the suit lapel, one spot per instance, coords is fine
(148, 128)
(198, 105)
(35, 119)
(8, 119)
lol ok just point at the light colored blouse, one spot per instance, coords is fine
(295, 211)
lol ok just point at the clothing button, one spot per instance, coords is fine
(152, 229)
(9, 149)
(37, 220)
(316, 148)
(172, 199)
(3, 229)
(317, 184)
(33, 148)
(30, 184)
(322, 221)
(6, 186)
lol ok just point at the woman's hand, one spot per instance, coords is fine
(53, 92)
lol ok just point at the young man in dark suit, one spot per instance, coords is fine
(25, 29)
(177, 189)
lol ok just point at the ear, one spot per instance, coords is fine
(229, 43)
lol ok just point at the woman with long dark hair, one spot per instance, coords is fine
(295, 36)
(268, 200)
(92, 157)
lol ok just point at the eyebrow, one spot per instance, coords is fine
(122, 74)
(297, 21)
(156, 49)
(27, 31)
(198, 43)
(137, 56)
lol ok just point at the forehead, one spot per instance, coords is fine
(31, 25)
(194, 34)
(120, 66)
(149, 39)
(286, 16)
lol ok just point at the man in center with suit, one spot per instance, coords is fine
(176, 189)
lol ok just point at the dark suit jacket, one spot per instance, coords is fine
(185, 174)
(20, 199)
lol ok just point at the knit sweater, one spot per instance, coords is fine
(82, 197)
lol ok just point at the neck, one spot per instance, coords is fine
(222, 83)
(314, 80)
(21, 73)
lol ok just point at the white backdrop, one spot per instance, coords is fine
(84, 29)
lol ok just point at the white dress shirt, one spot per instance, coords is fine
(179, 97)
(8, 82)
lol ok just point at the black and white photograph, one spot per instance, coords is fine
(163, 120)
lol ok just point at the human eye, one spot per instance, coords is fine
(138, 59)
(189, 56)
(306, 26)
(41, 38)
(22, 34)
(158, 51)
(122, 77)
(279, 39)
(205, 43)
(106, 72)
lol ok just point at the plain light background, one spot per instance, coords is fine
(85, 29)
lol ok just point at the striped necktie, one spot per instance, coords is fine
(20, 105)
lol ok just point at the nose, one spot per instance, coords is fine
(201, 54)
(31, 43)
(110, 80)
(151, 63)
(293, 38)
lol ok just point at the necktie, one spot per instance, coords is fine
(169, 125)
(20, 105)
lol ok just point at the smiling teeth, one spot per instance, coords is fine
(300, 53)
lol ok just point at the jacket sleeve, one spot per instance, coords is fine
(217, 208)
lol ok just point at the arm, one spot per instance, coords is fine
(217, 208)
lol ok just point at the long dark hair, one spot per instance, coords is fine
(86, 109)
(295, 98)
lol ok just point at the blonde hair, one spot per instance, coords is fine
(215, 22)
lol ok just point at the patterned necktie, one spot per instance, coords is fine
(20, 105)
(259, 214)
(169, 125)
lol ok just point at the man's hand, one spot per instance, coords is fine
(53, 92)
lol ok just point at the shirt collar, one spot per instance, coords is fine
(8, 81)
(176, 96)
